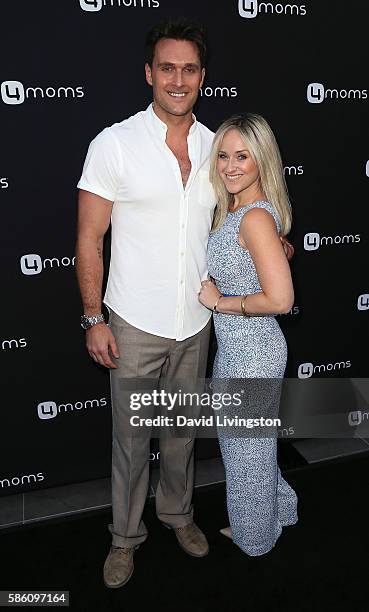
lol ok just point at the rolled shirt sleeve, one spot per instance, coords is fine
(102, 168)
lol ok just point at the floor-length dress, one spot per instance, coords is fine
(259, 500)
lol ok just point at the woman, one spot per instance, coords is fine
(252, 283)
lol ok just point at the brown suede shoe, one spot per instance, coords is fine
(118, 567)
(192, 540)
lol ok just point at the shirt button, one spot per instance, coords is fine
(182, 281)
(182, 254)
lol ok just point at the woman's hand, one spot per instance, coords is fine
(208, 294)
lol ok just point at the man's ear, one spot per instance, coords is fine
(202, 76)
(148, 74)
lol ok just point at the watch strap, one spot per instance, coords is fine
(90, 321)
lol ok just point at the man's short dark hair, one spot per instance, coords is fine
(178, 29)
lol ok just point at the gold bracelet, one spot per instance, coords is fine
(216, 304)
(243, 300)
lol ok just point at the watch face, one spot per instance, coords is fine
(85, 323)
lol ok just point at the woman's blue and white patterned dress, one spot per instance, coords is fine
(259, 501)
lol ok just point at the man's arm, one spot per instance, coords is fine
(93, 221)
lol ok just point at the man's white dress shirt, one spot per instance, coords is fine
(159, 229)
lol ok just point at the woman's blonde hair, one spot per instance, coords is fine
(260, 141)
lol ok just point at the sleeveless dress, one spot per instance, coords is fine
(259, 500)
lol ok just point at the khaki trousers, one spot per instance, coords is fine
(144, 355)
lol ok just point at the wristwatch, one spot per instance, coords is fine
(87, 322)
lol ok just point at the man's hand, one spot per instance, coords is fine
(98, 340)
(288, 248)
(208, 294)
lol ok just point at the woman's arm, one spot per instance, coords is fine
(258, 234)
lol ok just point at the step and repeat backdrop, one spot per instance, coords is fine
(71, 68)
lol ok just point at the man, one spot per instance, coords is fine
(149, 176)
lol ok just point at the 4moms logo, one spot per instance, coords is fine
(313, 240)
(293, 170)
(33, 264)
(14, 92)
(307, 370)
(92, 6)
(220, 92)
(363, 302)
(251, 8)
(49, 410)
(317, 93)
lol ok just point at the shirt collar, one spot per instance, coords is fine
(161, 128)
